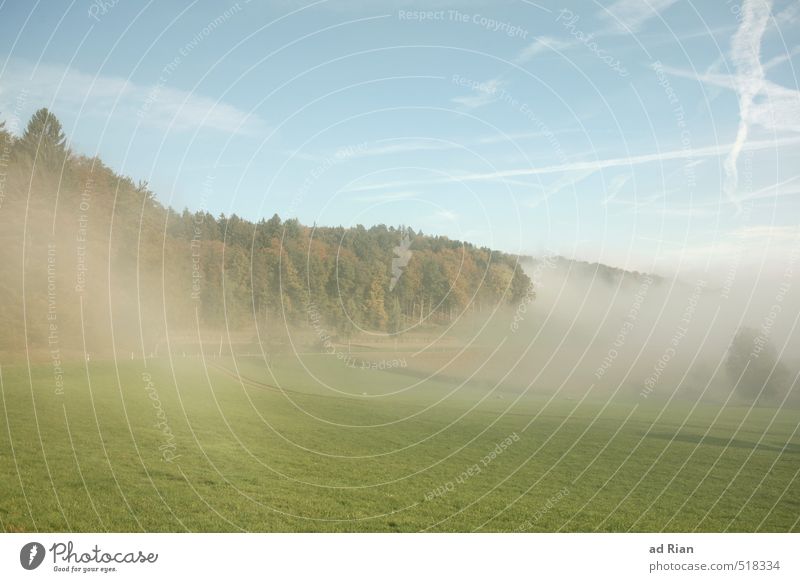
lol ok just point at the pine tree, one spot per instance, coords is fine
(44, 139)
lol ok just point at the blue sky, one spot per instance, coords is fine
(645, 134)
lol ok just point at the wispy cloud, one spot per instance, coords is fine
(746, 55)
(392, 5)
(660, 205)
(779, 110)
(405, 145)
(615, 187)
(569, 179)
(482, 94)
(386, 196)
(768, 232)
(636, 203)
(157, 105)
(762, 102)
(708, 151)
(540, 45)
(761, 241)
(518, 136)
(789, 15)
(592, 165)
(787, 187)
(446, 215)
(399, 146)
(630, 15)
(780, 59)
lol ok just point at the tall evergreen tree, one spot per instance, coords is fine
(44, 139)
(190, 270)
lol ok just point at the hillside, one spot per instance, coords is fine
(90, 255)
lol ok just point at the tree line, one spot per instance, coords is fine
(92, 255)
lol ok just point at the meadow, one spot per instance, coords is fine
(320, 443)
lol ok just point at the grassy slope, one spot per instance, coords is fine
(318, 459)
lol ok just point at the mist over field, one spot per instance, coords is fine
(383, 344)
(222, 334)
(363, 267)
(655, 337)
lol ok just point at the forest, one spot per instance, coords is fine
(93, 262)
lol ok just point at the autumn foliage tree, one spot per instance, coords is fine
(126, 270)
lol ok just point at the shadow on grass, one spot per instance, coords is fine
(723, 442)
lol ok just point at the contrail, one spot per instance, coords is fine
(746, 54)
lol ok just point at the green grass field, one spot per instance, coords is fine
(374, 451)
